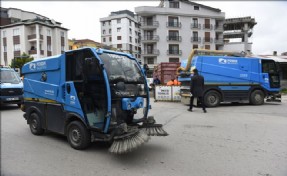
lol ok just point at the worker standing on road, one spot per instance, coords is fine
(196, 89)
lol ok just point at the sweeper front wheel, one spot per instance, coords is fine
(78, 136)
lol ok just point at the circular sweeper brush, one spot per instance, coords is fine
(128, 141)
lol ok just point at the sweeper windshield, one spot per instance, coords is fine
(122, 68)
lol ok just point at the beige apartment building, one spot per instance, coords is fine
(34, 34)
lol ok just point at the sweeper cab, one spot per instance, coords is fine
(90, 95)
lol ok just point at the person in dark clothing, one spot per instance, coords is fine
(196, 89)
(146, 68)
(156, 81)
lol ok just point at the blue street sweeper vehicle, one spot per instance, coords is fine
(231, 77)
(89, 95)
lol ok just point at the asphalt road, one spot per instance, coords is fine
(233, 140)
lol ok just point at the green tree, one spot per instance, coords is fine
(19, 61)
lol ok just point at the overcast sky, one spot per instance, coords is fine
(82, 18)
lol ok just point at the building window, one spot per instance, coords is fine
(119, 45)
(62, 48)
(130, 31)
(173, 22)
(4, 34)
(62, 35)
(173, 59)
(130, 23)
(48, 32)
(104, 39)
(110, 31)
(207, 46)
(49, 48)
(173, 35)
(104, 23)
(104, 31)
(118, 21)
(17, 47)
(118, 29)
(136, 40)
(150, 60)
(16, 32)
(110, 39)
(5, 48)
(195, 46)
(196, 7)
(173, 4)
(109, 23)
(119, 37)
(195, 36)
(136, 33)
(131, 39)
(194, 22)
(173, 49)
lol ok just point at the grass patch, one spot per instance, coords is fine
(284, 91)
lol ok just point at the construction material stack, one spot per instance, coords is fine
(167, 71)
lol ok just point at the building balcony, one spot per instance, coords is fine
(35, 52)
(150, 38)
(173, 24)
(207, 40)
(207, 26)
(173, 38)
(218, 41)
(17, 53)
(195, 39)
(33, 37)
(174, 52)
(195, 26)
(149, 24)
(153, 52)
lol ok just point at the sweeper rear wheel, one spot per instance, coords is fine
(78, 136)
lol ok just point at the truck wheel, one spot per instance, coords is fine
(212, 98)
(78, 136)
(35, 124)
(257, 97)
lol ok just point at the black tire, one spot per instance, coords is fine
(78, 136)
(212, 99)
(35, 124)
(257, 97)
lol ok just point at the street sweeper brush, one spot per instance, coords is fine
(153, 129)
(129, 141)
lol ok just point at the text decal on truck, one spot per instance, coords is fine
(227, 61)
(38, 66)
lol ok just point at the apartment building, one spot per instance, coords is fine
(121, 30)
(28, 32)
(171, 30)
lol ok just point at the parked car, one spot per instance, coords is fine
(11, 86)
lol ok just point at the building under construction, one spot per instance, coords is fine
(237, 32)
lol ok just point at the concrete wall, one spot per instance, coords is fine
(237, 46)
